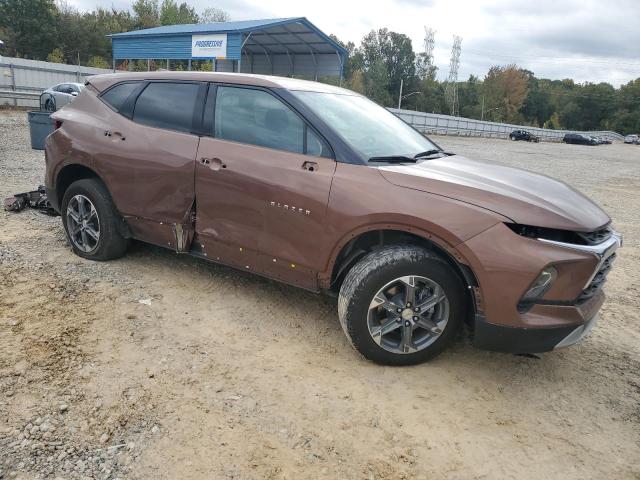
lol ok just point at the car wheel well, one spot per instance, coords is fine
(367, 242)
(359, 246)
(69, 174)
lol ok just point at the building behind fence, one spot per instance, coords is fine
(22, 81)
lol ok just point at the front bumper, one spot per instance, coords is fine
(506, 264)
(502, 338)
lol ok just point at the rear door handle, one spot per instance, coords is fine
(213, 163)
(119, 135)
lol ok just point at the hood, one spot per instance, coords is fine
(524, 197)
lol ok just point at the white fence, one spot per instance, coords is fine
(22, 81)
(435, 123)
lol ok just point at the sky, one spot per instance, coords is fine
(587, 40)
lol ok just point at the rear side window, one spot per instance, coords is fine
(167, 105)
(116, 96)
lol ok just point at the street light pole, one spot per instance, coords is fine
(400, 96)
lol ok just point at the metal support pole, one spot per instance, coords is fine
(241, 47)
(189, 65)
(400, 96)
(13, 83)
(148, 65)
(168, 65)
(114, 64)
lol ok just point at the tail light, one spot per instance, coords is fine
(57, 124)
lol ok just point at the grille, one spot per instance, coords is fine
(594, 238)
(598, 280)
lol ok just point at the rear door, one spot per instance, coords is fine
(262, 184)
(146, 154)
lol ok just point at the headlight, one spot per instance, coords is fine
(539, 287)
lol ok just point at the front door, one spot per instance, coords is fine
(262, 185)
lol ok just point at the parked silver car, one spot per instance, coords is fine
(632, 139)
(56, 97)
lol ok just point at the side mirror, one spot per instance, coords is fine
(74, 94)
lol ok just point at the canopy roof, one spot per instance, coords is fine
(295, 35)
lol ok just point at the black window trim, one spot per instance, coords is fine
(306, 124)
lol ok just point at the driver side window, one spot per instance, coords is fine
(258, 118)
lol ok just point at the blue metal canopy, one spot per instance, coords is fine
(280, 46)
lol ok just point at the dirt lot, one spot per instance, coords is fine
(163, 366)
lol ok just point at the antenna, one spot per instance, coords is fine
(451, 93)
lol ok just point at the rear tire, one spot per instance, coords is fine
(372, 298)
(91, 221)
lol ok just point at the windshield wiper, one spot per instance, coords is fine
(427, 153)
(393, 159)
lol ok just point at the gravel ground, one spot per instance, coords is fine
(164, 366)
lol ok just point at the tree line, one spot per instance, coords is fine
(45, 30)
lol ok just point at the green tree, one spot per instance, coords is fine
(29, 27)
(505, 89)
(213, 15)
(98, 62)
(171, 13)
(470, 97)
(146, 13)
(395, 52)
(56, 56)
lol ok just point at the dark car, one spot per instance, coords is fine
(580, 139)
(523, 135)
(321, 188)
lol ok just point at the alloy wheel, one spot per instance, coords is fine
(408, 314)
(83, 223)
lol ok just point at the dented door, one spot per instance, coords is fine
(262, 201)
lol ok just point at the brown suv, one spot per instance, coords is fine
(318, 187)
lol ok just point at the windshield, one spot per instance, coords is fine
(369, 129)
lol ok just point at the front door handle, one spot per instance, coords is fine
(310, 166)
(213, 163)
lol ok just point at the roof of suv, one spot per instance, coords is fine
(102, 82)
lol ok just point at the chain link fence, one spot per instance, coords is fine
(435, 123)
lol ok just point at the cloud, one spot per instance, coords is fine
(588, 40)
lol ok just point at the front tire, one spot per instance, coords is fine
(401, 305)
(91, 221)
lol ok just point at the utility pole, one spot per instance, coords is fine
(429, 42)
(482, 114)
(400, 96)
(451, 93)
